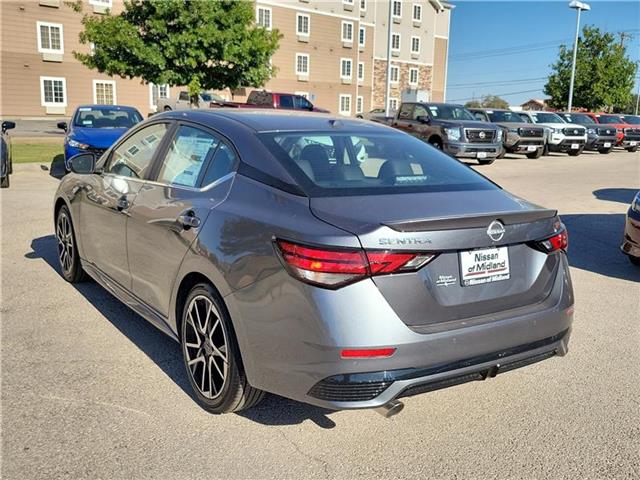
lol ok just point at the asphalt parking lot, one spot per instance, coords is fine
(90, 390)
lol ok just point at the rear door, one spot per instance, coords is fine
(404, 118)
(189, 180)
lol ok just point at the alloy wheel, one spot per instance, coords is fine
(205, 346)
(66, 245)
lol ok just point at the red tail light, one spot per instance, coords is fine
(367, 352)
(560, 241)
(336, 267)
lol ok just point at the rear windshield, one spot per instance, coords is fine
(610, 119)
(499, 116)
(91, 117)
(350, 164)
(579, 118)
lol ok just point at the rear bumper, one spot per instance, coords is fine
(295, 350)
(473, 150)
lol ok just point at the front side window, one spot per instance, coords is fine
(104, 92)
(347, 31)
(301, 103)
(345, 68)
(185, 160)
(351, 164)
(53, 91)
(420, 111)
(263, 17)
(302, 64)
(50, 38)
(302, 24)
(133, 157)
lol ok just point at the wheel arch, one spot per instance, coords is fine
(435, 137)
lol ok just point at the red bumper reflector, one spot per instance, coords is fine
(367, 352)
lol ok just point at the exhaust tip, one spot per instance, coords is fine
(390, 409)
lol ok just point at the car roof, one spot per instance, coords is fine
(269, 120)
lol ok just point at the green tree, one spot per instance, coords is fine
(473, 104)
(494, 101)
(604, 73)
(198, 43)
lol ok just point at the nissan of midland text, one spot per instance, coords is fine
(337, 262)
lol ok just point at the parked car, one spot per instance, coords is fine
(561, 136)
(376, 113)
(183, 101)
(6, 160)
(94, 128)
(519, 137)
(452, 129)
(631, 241)
(283, 101)
(599, 137)
(282, 262)
(628, 134)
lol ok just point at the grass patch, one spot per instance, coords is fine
(36, 152)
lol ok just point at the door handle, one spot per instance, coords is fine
(189, 220)
(122, 204)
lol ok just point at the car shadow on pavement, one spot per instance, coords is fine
(594, 245)
(621, 195)
(56, 169)
(165, 352)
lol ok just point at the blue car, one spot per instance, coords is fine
(94, 128)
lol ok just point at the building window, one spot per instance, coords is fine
(361, 71)
(53, 91)
(347, 2)
(395, 41)
(413, 76)
(345, 68)
(417, 12)
(104, 92)
(303, 22)
(263, 17)
(101, 3)
(415, 44)
(397, 8)
(302, 64)
(363, 4)
(50, 37)
(395, 74)
(345, 105)
(157, 92)
(347, 31)
(393, 104)
(362, 36)
(359, 104)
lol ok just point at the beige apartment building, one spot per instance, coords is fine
(332, 52)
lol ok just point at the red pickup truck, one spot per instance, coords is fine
(263, 99)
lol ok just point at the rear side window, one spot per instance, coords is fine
(260, 98)
(223, 163)
(344, 164)
(187, 155)
(405, 111)
(286, 101)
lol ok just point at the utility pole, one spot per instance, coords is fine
(623, 37)
(638, 88)
(579, 6)
(388, 89)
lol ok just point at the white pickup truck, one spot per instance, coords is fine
(182, 101)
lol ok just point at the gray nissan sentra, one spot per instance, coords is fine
(336, 262)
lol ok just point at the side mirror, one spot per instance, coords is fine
(62, 126)
(83, 163)
(423, 119)
(8, 126)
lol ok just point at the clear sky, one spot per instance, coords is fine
(503, 47)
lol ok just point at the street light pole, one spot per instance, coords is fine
(388, 88)
(578, 6)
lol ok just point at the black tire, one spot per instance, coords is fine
(216, 390)
(574, 153)
(632, 149)
(69, 260)
(536, 154)
(604, 151)
(502, 153)
(634, 260)
(436, 143)
(4, 183)
(486, 161)
(167, 108)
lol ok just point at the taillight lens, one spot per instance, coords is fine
(559, 241)
(336, 267)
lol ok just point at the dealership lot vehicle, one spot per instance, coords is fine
(376, 113)
(628, 134)
(278, 101)
(561, 136)
(94, 128)
(382, 240)
(518, 137)
(182, 101)
(631, 242)
(6, 161)
(450, 128)
(601, 138)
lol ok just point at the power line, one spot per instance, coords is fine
(495, 83)
(505, 94)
